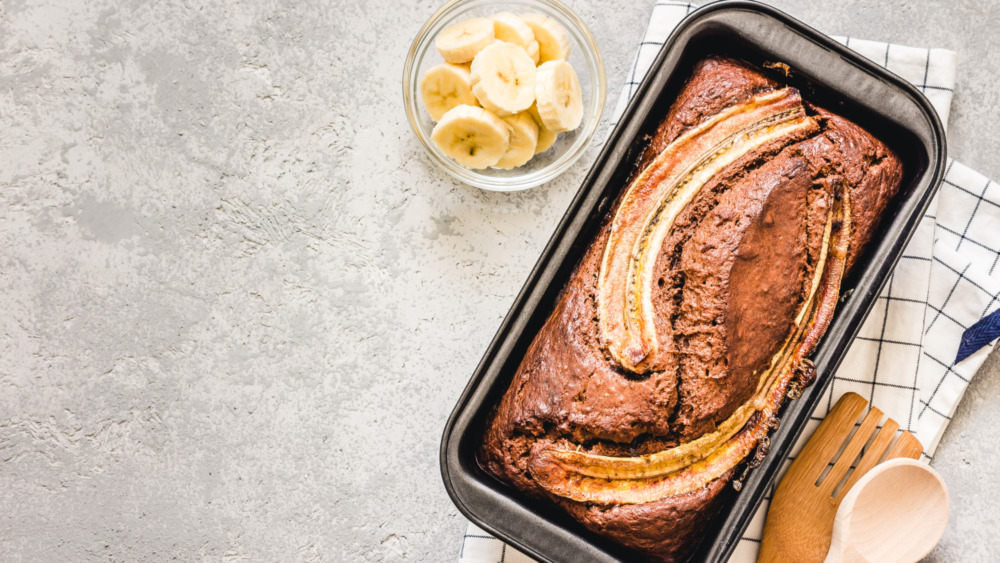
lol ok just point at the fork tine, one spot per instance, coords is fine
(872, 456)
(906, 446)
(828, 437)
(858, 441)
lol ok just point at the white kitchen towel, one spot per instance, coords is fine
(903, 360)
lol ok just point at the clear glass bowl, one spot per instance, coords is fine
(569, 146)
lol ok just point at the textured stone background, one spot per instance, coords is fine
(239, 302)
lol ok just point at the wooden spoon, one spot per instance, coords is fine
(800, 519)
(896, 513)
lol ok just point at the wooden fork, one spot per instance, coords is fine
(800, 519)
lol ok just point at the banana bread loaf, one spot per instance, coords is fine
(692, 315)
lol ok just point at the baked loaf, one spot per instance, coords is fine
(692, 315)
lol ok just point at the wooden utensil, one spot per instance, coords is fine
(800, 519)
(896, 513)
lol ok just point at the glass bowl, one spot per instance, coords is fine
(569, 146)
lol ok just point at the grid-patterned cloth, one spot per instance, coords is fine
(903, 360)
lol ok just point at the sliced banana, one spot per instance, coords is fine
(445, 86)
(512, 29)
(534, 52)
(523, 140)
(546, 138)
(558, 96)
(472, 136)
(503, 78)
(553, 43)
(459, 43)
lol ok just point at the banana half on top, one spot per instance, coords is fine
(693, 314)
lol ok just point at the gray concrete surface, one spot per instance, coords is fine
(239, 302)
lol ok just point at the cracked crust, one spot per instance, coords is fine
(734, 269)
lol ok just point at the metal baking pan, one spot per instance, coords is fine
(828, 74)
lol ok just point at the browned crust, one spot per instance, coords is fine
(567, 389)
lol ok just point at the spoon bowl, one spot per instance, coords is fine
(897, 512)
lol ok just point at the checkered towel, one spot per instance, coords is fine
(947, 282)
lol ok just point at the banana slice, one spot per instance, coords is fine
(553, 43)
(472, 136)
(512, 29)
(445, 86)
(558, 96)
(459, 43)
(523, 139)
(503, 78)
(546, 138)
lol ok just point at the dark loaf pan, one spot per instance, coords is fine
(828, 74)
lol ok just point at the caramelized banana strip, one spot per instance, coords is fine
(547, 470)
(656, 464)
(655, 199)
(839, 250)
(559, 481)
